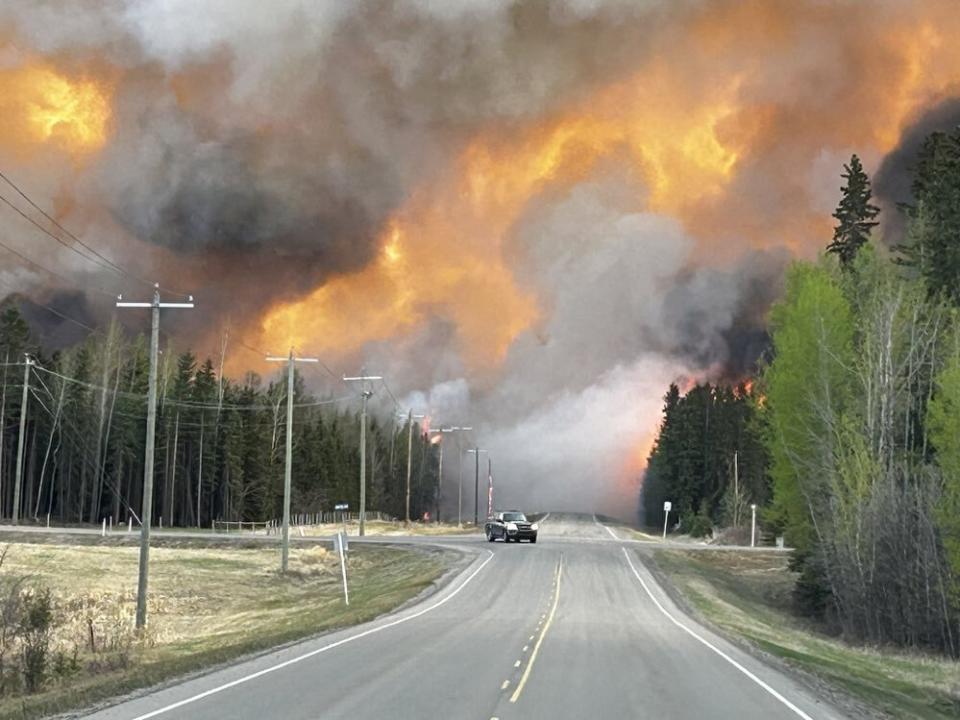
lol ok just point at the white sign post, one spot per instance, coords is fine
(667, 505)
(341, 542)
(343, 507)
(753, 525)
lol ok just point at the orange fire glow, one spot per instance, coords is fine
(38, 105)
(444, 252)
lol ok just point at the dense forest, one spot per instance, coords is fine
(220, 443)
(709, 461)
(849, 439)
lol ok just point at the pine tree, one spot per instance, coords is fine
(932, 245)
(855, 214)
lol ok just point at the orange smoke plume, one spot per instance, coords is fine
(684, 123)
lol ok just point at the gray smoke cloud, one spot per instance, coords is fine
(275, 139)
(258, 148)
(572, 411)
(891, 183)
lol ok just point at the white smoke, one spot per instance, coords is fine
(573, 409)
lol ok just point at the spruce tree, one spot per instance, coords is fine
(932, 244)
(855, 214)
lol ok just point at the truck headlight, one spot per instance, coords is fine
(534, 527)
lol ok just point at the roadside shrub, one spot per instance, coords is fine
(700, 524)
(11, 609)
(811, 594)
(101, 626)
(36, 623)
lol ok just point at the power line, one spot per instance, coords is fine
(183, 403)
(331, 373)
(50, 309)
(47, 270)
(252, 349)
(57, 238)
(390, 393)
(110, 263)
(79, 442)
(319, 360)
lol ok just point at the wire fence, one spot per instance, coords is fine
(298, 520)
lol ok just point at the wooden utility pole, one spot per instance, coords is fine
(147, 513)
(18, 478)
(365, 396)
(410, 418)
(288, 467)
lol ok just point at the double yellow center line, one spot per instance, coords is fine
(543, 633)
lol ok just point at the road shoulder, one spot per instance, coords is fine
(812, 673)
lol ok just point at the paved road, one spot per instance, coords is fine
(560, 629)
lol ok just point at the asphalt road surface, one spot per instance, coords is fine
(572, 627)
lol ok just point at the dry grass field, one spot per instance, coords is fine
(207, 605)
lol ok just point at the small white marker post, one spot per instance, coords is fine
(666, 516)
(343, 567)
(103, 528)
(753, 525)
(342, 508)
(129, 525)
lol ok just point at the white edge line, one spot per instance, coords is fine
(612, 533)
(713, 647)
(306, 656)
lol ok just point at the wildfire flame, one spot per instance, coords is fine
(444, 252)
(40, 106)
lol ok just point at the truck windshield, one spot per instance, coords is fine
(514, 517)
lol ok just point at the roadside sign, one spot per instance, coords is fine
(341, 540)
(340, 544)
(667, 505)
(341, 506)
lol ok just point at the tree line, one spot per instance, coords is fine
(854, 417)
(709, 460)
(220, 443)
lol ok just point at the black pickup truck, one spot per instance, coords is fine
(511, 526)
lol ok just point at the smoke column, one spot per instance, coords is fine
(529, 216)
